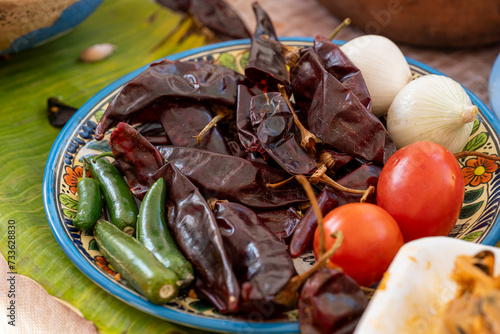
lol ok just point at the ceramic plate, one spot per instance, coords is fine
(478, 220)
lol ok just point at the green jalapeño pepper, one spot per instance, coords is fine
(152, 232)
(121, 203)
(136, 264)
(89, 203)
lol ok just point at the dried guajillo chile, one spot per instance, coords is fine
(136, 264)
(246, 133)
(303, 234)
(274, 126)
(187, 80)
(266, 65)
(260, 260)
(361, 178)
(234, 179)
(137, 158)
(195, 230)
(216, 15)
(155, 134)
(153, 233)
(331, 303)
(336, 115)
(281, 222)
(58, 112)
(179, 6)
(339, 65)
(120, 202)
(224, 176)
(184, 120)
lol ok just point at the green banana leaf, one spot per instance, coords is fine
(27, 79)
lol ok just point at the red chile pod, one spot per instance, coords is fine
(274, 125)
(136, 157)
(341, 67)
(260, 260)
(218, 16)
(246, 133)
(336, 115)
(330, 303)
(234, 179)
(184, 120)
(304, 233)
(189, 80)
(266, 64)
(281, 222)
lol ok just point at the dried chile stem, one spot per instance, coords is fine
(367, 193)
(316, 177)
(304, 206)
(319, 216)
(309, 140)
(464, 154)
(280, 184)
(222, 112)
(289, 295)
(320, 176)
(327, 159)
(341, 26)
(291, 53)
(212, 201)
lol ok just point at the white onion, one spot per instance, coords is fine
(433, 108)
(383, 66)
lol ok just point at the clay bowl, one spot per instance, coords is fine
(28, 23)
(429, 23)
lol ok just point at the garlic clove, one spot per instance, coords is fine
(97, 52)
(383, 66)
(433, 108)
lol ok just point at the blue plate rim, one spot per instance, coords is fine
(138, 302)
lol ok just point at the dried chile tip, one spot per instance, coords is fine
(58, 112)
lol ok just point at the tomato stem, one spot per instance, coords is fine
(367, 193)
(280, 184)
(464, 154)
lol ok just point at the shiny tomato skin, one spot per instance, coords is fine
(422, 187)
(371, 240)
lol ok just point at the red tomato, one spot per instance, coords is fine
(422, 187)
(371, 240)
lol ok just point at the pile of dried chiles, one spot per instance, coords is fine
(233, 173)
